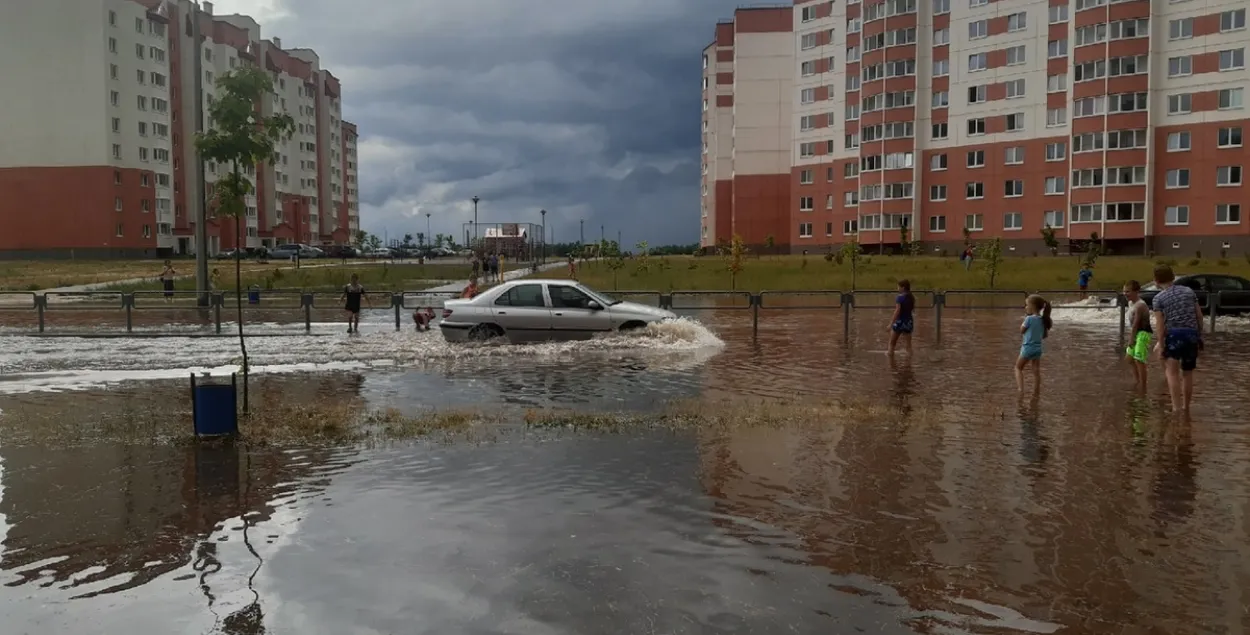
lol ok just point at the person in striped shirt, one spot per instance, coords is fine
(1178, 326)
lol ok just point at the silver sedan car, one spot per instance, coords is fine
(543, 311)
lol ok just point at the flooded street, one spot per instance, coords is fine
(1085, 511)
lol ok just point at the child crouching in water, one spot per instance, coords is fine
(1033, 330)
(423, 318)
(1138, 351)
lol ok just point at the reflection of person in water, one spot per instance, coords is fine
(1175, 487)
(904, 383)
(1034, 446)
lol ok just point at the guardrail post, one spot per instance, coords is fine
(217, 300)
(128, 303)
(666, 301)
(306, 303)
(756, 301)
(397, 301)
(848, 304)
(41, 305)
(1213, 304)
(939, 301)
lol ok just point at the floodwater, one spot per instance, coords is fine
(1085, 511)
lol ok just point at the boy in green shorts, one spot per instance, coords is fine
(1138, 351)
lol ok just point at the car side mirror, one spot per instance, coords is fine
(594, 306)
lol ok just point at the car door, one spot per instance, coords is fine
(1234, 293)
(571, 315)
(1200, 287)
(523, 313)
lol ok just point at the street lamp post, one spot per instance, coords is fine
(475, 200)
(428, 236)
(581, 224)
(473, 231)
(543, 213)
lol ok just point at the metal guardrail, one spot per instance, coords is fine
(140, 303)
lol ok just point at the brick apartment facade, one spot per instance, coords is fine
(100, 158)
(827, 120)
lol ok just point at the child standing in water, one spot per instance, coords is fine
(1083, 278)
(353, 293)
(1138, 351)
(903, 321)
(1033, 330)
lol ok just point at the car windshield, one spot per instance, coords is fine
(601, 298)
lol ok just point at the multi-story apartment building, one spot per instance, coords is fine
(100, 158)
(998, 118)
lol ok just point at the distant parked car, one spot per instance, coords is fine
(1234, 291)
(229, 254)
(286, 251)
(543, 310)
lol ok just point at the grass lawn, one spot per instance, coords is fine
(811, 273)
(37, 275)
(374, 277)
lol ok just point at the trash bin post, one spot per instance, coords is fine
(306, 302)
(217, 299)
(397, 301)
(128, 303)
(41, 305)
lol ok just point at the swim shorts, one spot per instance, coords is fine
(1140, 349)
(905, 325)
(1182, 345)
(1030, 353)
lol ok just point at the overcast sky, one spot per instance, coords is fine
(586, 108)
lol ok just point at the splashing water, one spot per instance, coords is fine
(1101, 312)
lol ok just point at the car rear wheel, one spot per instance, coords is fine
(484, 332)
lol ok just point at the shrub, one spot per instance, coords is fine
(1198, 255)
(1193, 263)
(1222, 262)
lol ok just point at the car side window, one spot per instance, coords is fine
(1196, 283)
(524, 295)
(1220, 283)
(564, 297)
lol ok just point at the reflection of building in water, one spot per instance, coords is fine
(951, 508)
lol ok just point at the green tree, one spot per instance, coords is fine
(643, 261)
(734, 255)
(1048, 237)
(407, 242)
(421, 239)
(615, 259)
(770, 244)
(990, 253)
(373, 243)
(358, 238)
(851, 252)
(241, 137)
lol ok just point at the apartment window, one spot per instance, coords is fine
(1056, 117)
(941, 99)
(143, 128)
(806, 69)
(1058, 13)
(1056, 48)
(1181, 29)
(156, 54)
(1178, 178)
(1231, 98)
(1017, 21)
(139, 50)
(829, 175)
(976, 159)
(117, 151)
(974, 222)
(114, 97)
(806, 203)
(941, 67)
(1055, 184)
(850, 199)
(805, 230)
(940, 131)
(117, 204)
(852, 82)
(118, 229)
(978, 29)
(828, 201)
(850, 227)
(112, 45)
(1117, 212)
(937, 224)
(143, 154)
(977, 94)
(1178, 141)
(806, 122)
(1128, 175)
(850, 142)
(850, 170)
(1228, 214)
(1013, 221)
(159, 129)
(852, 54)
(937, 162)
(1232, 20)
(1015, 89)
(1057, 83)
(143, 180)
(808, 41)
(806, 178)
(1180, 66)
(1179, 104)
(809, 13)
(854, 25)
(1014, 155)
(1228, 175)
(1176, 215)
(1052, 218)
(941, 37)
(1232, 59)
(117, 124)
(937, 193)
(1229, 137)
(1089, 213)
(828, 229)
(807, 150)
(807, 95)
(974, 190)
(1015, 122)
(1015, 55)
(977, 62)
(976, 126)
(1056, 151)
(1013, 188)
(112, 18)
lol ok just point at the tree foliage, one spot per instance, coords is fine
(735, 253)
(990, 253)
(1048, 237)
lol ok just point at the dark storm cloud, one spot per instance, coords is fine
(587, 108)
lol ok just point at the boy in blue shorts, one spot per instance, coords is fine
(1178, 323)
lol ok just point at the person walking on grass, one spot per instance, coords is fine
(902, 323)
(1138, 351)
(572, 267)
(354, 293)
(476, 265)
(167, 280)
(1035, 328)
(1178, 323)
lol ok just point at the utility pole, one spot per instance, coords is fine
(201, 202)
(582, 231)
(543, 213)
(475, 200)
(601, 236)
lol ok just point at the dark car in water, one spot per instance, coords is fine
(340, 251)
(1234, 291)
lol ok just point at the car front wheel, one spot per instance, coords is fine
(484, 332)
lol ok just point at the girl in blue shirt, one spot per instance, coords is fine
(902, 323)
(1033, 330)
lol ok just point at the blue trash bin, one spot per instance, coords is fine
(253, 295)
(214, 408)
